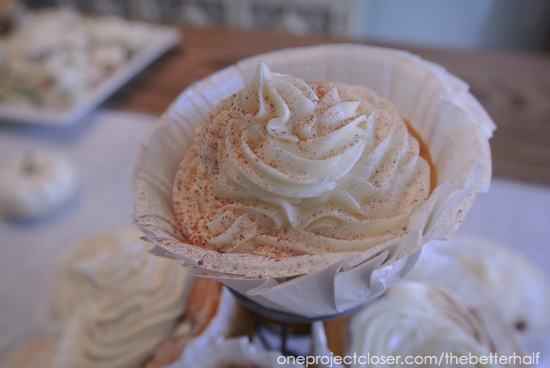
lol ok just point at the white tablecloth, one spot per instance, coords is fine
(105, 148)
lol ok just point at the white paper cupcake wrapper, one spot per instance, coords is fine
(438, 105)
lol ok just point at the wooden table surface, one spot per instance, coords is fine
(514, 87)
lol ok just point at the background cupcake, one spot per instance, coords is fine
(417, 322)
(115, 302)
(492, 276)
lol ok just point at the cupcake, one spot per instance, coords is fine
(116, 305)
(115, 302)
(506, 279)
(315, 180)
(420, 321)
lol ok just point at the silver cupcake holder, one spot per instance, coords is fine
(286, 332)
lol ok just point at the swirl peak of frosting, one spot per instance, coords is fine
(288, 167)
(270, 98)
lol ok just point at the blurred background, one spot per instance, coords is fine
(457, 24)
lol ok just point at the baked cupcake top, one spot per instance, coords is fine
(285, 167)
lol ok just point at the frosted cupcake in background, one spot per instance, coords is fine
(421, 320)
(112, 304)
(418, 320)
(233, 352)
(117, 302)
(334, 167)
(469, 266)
(116, 305)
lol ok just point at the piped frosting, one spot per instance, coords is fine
(286, 167)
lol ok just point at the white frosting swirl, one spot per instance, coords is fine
(415, 319)
(123, 302)
(286, 167)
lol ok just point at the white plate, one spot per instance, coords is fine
(165, 38)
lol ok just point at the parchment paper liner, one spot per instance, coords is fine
(438, 105)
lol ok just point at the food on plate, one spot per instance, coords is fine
(35, 183)
(56, 57)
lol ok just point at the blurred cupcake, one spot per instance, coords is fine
(116, 302)
(419, 321)
(506, 279)
(290, 185)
